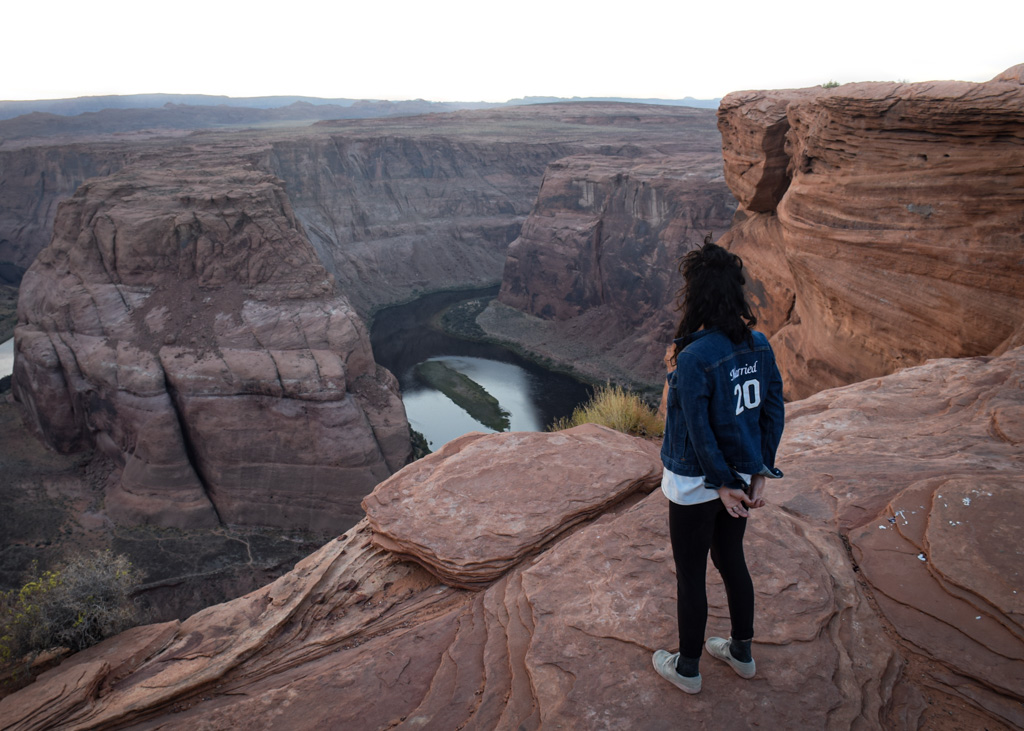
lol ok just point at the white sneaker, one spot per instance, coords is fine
(665, 664)
(719, 647)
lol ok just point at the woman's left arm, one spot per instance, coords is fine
(773, 416)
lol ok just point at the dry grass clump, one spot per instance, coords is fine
(83, 601)
(614, 407)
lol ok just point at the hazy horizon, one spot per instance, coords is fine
(457, 51)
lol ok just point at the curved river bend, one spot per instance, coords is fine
(533, 396)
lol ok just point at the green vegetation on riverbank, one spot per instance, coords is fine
(466, 393)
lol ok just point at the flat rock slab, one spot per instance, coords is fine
(475, 508)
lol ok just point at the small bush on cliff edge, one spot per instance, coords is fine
(75, 606)
(614, 407)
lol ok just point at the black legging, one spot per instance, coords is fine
(694, 530)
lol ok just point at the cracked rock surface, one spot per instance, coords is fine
(885, 599)
(181, 323)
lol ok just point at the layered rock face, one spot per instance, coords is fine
(887, 588)
(595, 267)
(181, 322)
(395, 215)
(433, 202)
(881, 223)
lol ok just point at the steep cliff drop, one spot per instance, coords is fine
(181, 322)
(591, 280)
(881, 222)
(888, 590)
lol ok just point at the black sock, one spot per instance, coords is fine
(740, 650)
(688, 667)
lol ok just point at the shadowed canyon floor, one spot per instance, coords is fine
(886, 572)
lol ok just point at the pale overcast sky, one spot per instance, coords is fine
(473, 50)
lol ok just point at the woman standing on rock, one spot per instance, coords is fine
(723, 424)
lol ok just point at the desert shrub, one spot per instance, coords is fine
(76, 605)
(830, 84)
(614, 407)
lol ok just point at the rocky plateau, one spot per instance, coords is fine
(394, 206)
(523, 581)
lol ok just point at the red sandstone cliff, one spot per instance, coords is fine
(182, 323)
(881, 222)
(887, 587)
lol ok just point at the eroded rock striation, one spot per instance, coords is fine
(182, 323)
(592, 278)
(887, 590)
(881, 222)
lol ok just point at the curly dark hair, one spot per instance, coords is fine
(712, 294)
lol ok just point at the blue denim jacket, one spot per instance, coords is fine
(725, 411)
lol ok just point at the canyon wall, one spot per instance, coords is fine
(33, 180)
(433, 203)
(393, 216)
(592, 279)
(888, 590)
(881, 223)
(394, 207)
(181, 322)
